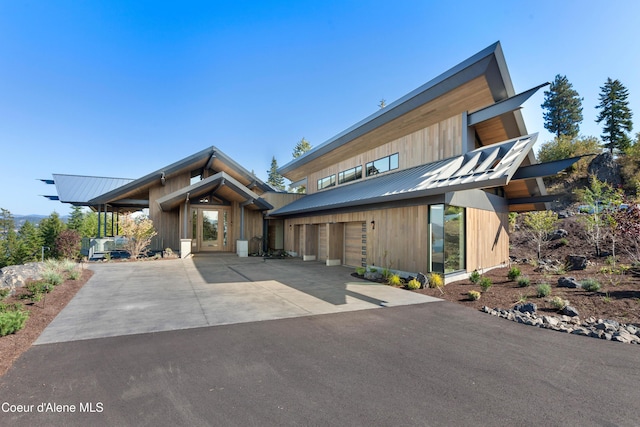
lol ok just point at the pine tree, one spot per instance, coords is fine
(563, 107)
(76, 219)
(30, 243)
(49, 230)
(275, 179)
(615, 114)
(301, 147)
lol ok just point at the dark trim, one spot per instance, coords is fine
(534, 199)
(502, 107)
(541, 170)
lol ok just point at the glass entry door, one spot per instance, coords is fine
(210, 229)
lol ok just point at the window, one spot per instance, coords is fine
(327, 182)
(447, 238)
(350, 175)
(384, 164)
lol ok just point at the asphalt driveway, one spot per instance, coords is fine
(133, 298)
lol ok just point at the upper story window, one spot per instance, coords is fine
(326, 182)
(384, 164)
(350, 175)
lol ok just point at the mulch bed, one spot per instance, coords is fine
(41, 314)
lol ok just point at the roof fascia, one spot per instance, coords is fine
(464, 72)
(541, 170)
(502, 107)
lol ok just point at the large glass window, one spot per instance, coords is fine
(447, 238)
(382, 165)
(326, 182)
(350, 175)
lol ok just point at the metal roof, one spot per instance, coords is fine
(480, 63)
(220, 179)
(79, 190)
(485, 167)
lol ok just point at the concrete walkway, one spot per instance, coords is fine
(133, 298)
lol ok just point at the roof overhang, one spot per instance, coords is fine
(483, 168)
(210, 184)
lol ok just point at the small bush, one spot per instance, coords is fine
(523, 281)
(52, 265)
(394, 280)
(4, 292)
(485, 284)
(12, 318)
(543, 290)
(559, 303)
(514, 273)
(75, 274)
(563, 242)
(360, 271)
(474, 277)
(474, 295)
(435, 281)
(590, 285)
(413, 284)
(386, 273)
(67, 265)
(52, 277)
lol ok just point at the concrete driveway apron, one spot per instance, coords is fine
(131, 298)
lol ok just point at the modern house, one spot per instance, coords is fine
(426, 183)
(204, 202)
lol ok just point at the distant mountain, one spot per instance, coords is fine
(33, 219)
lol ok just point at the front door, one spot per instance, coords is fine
(210, 229)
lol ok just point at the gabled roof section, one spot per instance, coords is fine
(489, 62)
(79, 190)
(210, 158)
(207, 185)
(485, 167)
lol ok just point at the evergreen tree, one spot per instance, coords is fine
(7, 238)
(563, 107)
(615, 114)
(30, 243)
(76, 219)
(49, 230)
(275, 179)
(301, 147)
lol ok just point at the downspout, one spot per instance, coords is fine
(242, 205)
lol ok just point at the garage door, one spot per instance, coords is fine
(355, 244)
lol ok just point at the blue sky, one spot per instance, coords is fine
(123, 88)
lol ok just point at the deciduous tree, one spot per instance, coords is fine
(563, 107)
(540, 225)
(138, 231)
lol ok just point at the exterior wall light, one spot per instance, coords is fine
(373, 225)
(163, 179)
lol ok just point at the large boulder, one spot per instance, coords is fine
(568, 282)
(15, 276)
(576, 262)
(606, 169)
(528, 307)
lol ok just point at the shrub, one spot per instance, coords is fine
(474, 277)
(559, 303)
(394, 280)
(4, 292)
(139, 231)
(12, 321)
(485, 284)
(435, 281)
(524, 281)
(360, 271)
(474, 295)
(52, 277)
(514, 273)
(68, 244)
(563, 242)
(386, 273)
(413, 284)
(543, 290)
(590, 285)
(67, 265)
(75, 274)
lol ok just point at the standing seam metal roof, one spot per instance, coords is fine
(79, 190)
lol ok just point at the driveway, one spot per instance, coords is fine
(209, 290)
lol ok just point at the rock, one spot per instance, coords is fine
(373, 275)
(558, 234)
(581, 331)
(568, 282)
(606, 169)
(15, 276)
(576, 262)
(570, 311)
(563, 214)
(528, 307)
(424, 282)
(550, 320)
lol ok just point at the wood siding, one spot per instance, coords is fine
(167, 224)
(355, 244)
(436, 142)
(487, 239)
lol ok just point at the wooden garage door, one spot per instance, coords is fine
(355, 244)
(323, 251)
